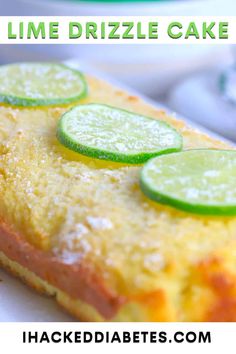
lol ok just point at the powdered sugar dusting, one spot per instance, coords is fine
(115, 130)
(39, 81)
(154, 262)
(99, 223)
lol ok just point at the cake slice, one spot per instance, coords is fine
(81, 230)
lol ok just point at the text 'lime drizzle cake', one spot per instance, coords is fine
(82, 229)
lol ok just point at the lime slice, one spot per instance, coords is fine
(108, 133)
(40, 84)
(197, 181)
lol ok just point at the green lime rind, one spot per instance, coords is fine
(21, 100)
(219, 186)
(102, 152)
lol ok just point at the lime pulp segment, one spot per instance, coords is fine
(197, 181)
(40, 84)
(109, 133)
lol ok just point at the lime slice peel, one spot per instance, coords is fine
(108, 133)
(197, 181)
(40, 84)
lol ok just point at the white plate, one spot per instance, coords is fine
(19, 303)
